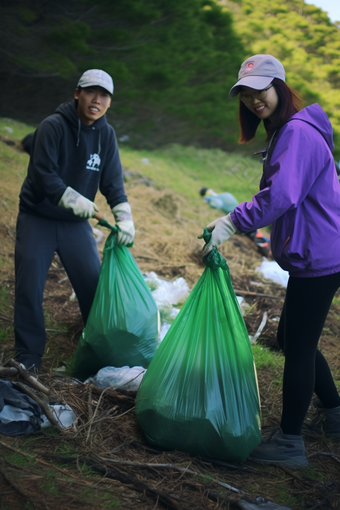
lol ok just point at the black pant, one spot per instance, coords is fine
(306, 371)
(37, 239)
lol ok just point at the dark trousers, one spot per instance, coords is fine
(306, 370)
(37, 239)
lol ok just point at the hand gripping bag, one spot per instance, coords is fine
(200, 392)
(123, 324)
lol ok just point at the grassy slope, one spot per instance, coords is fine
(177, 174)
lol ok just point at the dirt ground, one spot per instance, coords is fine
(106, 440)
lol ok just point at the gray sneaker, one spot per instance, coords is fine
(326, 422)
(286, 450)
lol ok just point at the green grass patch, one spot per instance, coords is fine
(13, 129)
(265, 358)
(185, 170)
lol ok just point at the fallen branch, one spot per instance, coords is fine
(170, 466)
(45, 407)
(16, 488)
(8, 371)
(7, 319)
(325, 454)
(29, 378)
(134, 483)
(256, 294)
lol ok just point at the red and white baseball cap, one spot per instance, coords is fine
(258, 72)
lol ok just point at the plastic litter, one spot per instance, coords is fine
(272, 271)
(257, 504)
(165, 292)
(118, 377)
(62, 413)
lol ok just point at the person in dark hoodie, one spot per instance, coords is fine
(300, 196)
(74, 153)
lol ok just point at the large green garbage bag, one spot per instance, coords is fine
(123, 324)
(200, 392)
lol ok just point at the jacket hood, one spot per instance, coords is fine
(69, 111)
(316, 117)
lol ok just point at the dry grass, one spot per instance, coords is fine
(104, 460)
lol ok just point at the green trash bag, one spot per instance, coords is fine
(123, 325)
(200, 392)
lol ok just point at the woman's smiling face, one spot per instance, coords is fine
(262, 108)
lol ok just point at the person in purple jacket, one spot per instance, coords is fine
(73, 153)
(300, 197)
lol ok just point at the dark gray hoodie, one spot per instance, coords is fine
(65, 153)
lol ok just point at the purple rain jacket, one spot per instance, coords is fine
(300, 196)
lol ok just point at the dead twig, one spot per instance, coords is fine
(170, 466)
(256, 294)
(325, 454)
(47, 411)
(29, 378)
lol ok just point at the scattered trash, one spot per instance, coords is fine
(124, 138)
(121, 377)
(165, 292)
(257, 504)
(272, 271)
(260, 329)
(9, 129)
(145, 161)
(62, 413)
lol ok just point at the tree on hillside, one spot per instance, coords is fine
(304, 39)
(169, 60)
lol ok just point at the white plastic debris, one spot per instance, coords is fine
(272, 271)
(8, 129)
(125, 377)
(259, 330)
(62, 413)
(165, 292)
(145, 161)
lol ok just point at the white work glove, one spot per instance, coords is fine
(80, 205)
(221, 230)
(124, 222)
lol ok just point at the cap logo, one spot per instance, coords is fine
(249, 67)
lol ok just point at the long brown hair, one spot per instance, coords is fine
(290, 102)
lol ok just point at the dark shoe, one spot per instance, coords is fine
(281, 449)
(327, 421)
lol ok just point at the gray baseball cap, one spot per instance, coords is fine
(258, 72)
(96, 78)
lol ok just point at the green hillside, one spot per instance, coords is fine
(303, 38)
(173, 63)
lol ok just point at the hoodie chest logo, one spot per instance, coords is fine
(94, 163)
